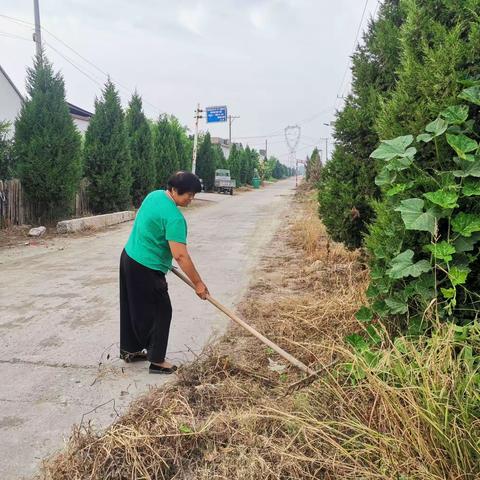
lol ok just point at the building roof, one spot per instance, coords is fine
(11, 83)
(79, 112)
(73, 109)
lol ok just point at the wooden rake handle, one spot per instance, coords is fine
(246, 326)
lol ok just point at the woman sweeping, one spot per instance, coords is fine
(159, 234)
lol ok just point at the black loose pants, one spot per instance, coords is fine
(145, 310)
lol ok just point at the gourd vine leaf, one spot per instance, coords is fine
(364, 315)
(458, 275)
(463, 244)
(448, 292)
(385, 177)
(399, 188)
(442, 250)
(471, 187)
(456, 114)
(414, 217)
(402, 266)
(437, 127)
(462, 145)
(471, 94)
(444, 198)
(397, 147)
(396, 306)
(466, 223)
(468, 169)
(424, 137)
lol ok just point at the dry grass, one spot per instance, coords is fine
(231, 417)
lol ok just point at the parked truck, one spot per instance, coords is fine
(223, 182)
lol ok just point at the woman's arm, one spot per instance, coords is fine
(182, 257)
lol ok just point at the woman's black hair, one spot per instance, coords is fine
(184, 182)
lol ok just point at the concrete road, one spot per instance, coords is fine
(59, 320)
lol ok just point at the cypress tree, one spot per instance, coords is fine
(107, 160)
(181, 144)
(313, 168)
(243, 161)
(47, 144)
(220, 160)
(140, 145)
(234, 163)
(347, 186)
(206, 163)
(5, 152)
(166, 158)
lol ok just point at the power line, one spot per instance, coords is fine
(12, 35)
(74, 65)
(353, 51)
(24, 22)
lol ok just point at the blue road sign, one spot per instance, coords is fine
(216, 114)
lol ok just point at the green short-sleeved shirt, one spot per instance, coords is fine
(158, 221)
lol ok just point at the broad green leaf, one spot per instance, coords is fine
(448, 292)
(424, 137)
(396, 147)
(458, 275)
(466, 223)
(471, 94)
(423, 287)
(468, 169)
(400, 163)
(437, 127)
(399, 188)
(364, 315)
(463, 244)
(462, 144)
(357, 342)
(444, 198)
(441, 251)
(385, 177)
(456, 114)
(373, 336)
(471, 187)
(397, 306)
(372, 291)
(414, 217)
(402, 266)
(380, 308)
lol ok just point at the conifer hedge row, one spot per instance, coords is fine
(124, 155)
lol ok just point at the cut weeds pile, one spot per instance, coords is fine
(230, 414)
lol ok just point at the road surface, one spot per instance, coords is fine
(59, 320)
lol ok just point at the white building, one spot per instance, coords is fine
(11, 103)
(10, 100)
(225, 145)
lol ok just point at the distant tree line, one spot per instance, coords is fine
(124, 155)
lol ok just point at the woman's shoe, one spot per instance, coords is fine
(133, 357)
(167, 370)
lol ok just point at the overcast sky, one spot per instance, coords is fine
(272, 62)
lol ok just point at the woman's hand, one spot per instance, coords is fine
(201, 290)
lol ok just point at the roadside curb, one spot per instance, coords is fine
(95, 222)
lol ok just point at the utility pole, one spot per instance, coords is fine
(292, 137)
(326, 147)
(231, 118)
(37, 36)
(195, 138)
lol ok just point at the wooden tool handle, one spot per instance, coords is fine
(247, 327)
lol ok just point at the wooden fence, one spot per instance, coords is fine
(16, 209)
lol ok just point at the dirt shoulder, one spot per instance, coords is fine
(227, 415)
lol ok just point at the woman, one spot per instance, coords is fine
(158, 235)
